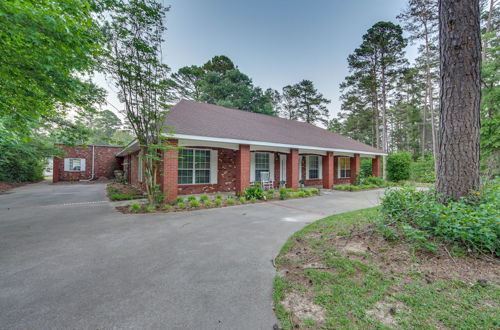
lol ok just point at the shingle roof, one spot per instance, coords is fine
(201, 119)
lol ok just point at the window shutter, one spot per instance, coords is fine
(307, 166)
(252, 166)
(320, 167)
(271, 166)
(82, 164)
(213, 166)
(66, 164)
(300, 167)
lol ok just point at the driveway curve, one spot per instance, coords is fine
(69, 260)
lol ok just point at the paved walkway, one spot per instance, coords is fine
(69, 260)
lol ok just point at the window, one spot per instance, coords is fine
(313, 167)
(74, 164)
(261, 164)
(194, 166)
(344, 167)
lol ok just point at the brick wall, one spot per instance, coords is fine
(105, 162)
(226, 176)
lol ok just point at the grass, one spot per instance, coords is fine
(356, 292)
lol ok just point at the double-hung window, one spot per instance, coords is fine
(194, 166)
(344, 167)
(261, 164)
(313, 167)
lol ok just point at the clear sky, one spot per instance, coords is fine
(275, 42)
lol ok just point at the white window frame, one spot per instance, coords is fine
(68, 164)
(212, 167)
(340, 167)
(308, 166)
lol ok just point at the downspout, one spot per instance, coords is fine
(93, 160)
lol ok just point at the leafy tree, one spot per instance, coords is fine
(421, 20)
(304, 102)
(288, 105)
(374, 67)
(48, 48)
(490, 101)
(220, 82)
(219, 64)
(460, 50)
(101, 125)
(185, 82)
(134, 34)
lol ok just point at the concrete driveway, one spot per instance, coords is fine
(69, 260)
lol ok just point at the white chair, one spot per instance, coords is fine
(265, 180)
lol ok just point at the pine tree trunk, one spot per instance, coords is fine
(430, 96)
(460, 62)
(384, 113)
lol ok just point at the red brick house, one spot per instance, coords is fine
(225, 150)
(85, 163)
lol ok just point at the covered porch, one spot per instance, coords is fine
(225, 165)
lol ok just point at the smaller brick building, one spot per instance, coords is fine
(86, 162)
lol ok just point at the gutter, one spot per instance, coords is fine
(93, 161)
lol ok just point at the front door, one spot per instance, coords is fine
(282, 168)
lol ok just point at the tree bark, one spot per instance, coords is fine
(460, 63)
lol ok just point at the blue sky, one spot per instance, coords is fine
(275, 42)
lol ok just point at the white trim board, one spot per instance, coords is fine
(269, 144)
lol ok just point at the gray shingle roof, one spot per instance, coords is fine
(208, 120)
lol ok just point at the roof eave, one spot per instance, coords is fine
(268, 144)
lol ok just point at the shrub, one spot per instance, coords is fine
(123, 197)
(308, 193)
(179, 200)
(136, 207)
(203, 198)
(218, 202)
(423, 171)
(218, 196)
(398, 166)
(191, 198)
(149, 208)
(315, 191)
(207, 203)
(373, 180)
(230, 201)
(167, 207)
(271, 192)
(301, 194)
(242, 200)
(194, 203)
(253, 200)
(181, 206)
(472, 223)
(22, 161)
(283, 193)
(366, 167)
(254, 191)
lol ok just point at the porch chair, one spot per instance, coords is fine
(265, 181)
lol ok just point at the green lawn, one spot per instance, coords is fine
(336, 288)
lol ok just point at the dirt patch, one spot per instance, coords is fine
(6, 186)
(384, 312)
(396, 260)
(303, 307)
(398, 257)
